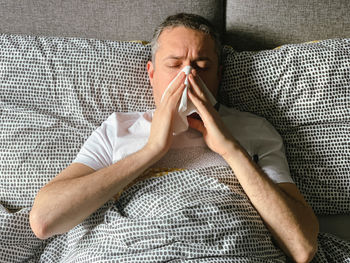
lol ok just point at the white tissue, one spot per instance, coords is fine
(186, 107)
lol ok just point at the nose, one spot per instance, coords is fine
(192, 65)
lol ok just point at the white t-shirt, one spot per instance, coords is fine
(125, 133)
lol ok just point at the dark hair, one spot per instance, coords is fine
(195, 22)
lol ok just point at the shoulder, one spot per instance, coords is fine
(241, 119)
(127, 118)
(255, 133)
(120, 124)
(245, 119)
(125, 124)
(258, 136)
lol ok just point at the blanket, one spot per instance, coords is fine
(197, 215)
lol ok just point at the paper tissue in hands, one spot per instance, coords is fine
(186, 107)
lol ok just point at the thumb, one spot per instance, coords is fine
(196, 124)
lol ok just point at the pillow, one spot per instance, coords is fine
(56, 91)
(303, 90)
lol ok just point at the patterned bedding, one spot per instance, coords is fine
(198, 215)
(55, 91)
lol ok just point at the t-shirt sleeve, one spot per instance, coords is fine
(272, 157)
(97, 151)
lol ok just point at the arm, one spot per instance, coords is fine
(284, 211)
(289, 218)
(78, 190)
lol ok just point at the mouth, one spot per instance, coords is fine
(195, 115)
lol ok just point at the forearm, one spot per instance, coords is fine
(286, 217)
(291, 222)
(62, 204)
(72, 196)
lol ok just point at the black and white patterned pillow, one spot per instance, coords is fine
(304, 91)
(56, 91)
(53, 93)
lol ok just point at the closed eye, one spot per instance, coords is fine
(202, 68)
(202, 65)
(173, 66)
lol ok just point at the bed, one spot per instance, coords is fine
(65, 66)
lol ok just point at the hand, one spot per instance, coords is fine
(161, 134)
(215, 134)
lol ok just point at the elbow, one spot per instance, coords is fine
(307, 247)
(38, 225)
(306, 256)
(306, 252)
(308, 243)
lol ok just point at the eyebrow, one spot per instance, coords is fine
(180, 57)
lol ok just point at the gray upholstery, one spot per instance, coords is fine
(102, 19)
(338, 225)
(257, 25)
(249, 24)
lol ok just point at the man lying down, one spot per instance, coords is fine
(188, 129)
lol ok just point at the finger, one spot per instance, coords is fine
(196, 124)
(198, 103)
(178, 93)
(193, 72)
(196, 88)
(202, 107)
(173, 99)
(175, 84)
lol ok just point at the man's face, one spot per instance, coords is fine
(179, 47)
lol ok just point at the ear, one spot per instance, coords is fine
(150, 70)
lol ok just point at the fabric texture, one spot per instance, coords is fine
(198, 215)
(110, 20)
(56, 91)
(259, 25)
(125, 133)
(304, 91)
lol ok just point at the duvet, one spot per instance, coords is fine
(197, 215)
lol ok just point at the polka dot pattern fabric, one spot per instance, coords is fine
(304, 91)
(55, 91)
(198, 215)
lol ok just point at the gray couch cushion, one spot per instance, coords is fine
(102, 19)
(257, 25)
